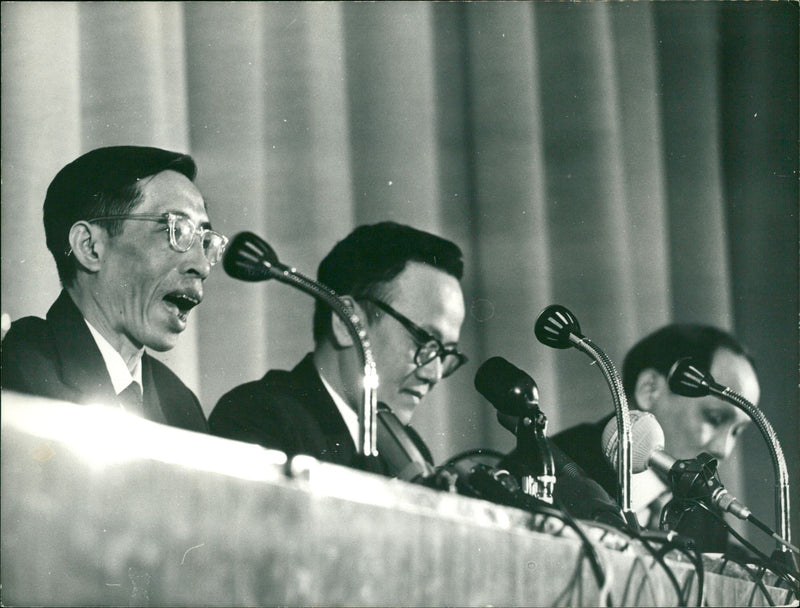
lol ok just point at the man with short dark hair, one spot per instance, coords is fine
(691, 425)
(133, 245)
(403, 283)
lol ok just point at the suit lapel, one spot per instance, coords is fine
(82, 365)
(339, 444)
(152, 402)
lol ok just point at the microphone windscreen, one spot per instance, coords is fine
(647, 436)
(506, 387)
(248, 257)
(554, 326)
(686, 378)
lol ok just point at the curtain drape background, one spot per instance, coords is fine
(635, 162)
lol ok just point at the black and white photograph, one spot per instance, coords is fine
(398, 303)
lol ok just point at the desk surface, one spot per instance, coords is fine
(100, 508)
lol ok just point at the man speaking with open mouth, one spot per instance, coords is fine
(133, 246)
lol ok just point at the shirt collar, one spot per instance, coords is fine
(121, 375)
(348, 415)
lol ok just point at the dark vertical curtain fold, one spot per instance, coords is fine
(636, 162)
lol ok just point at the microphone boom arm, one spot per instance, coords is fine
(776, 453)
(586, 346)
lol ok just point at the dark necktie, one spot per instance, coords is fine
(131, 399)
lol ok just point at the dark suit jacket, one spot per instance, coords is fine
(583, 444)
(292, 411)
(58, 358)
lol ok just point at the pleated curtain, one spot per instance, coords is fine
(636, 162)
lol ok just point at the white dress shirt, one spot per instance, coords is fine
(121, 375)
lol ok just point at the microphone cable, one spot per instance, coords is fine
(603, 580)
(764, 560)
(659, 559)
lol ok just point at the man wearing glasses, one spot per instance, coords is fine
(133, 245)
(405, 284)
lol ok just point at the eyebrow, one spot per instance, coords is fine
(205, 224)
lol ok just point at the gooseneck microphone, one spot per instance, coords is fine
(687, 378)
(515, 395)
(249, 258)
(557, 327)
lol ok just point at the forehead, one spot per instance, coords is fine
(736, 372)
(431, 298)
(172, 191)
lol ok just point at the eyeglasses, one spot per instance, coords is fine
(182, 233)
(429, 348)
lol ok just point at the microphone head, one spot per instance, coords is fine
(554, 326)
(647, 436)
(248, 257)
(688, 379)
(506, 387)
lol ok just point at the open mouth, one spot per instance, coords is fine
(183, 302)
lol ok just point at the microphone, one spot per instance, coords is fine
(688, 378)
(509, 389)
(693, 478)
(514, 393)
(249, 258)
(557, 327)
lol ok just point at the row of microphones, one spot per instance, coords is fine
(557, 327)
(515, 395)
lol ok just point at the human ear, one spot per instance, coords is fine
(341, 334)
(85, 245)
(650, 386)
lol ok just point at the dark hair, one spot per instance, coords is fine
(362, 263)
(102, 182)
(663, 347)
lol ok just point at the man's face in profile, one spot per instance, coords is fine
(145, 288)
(433, 300)
(707, 424)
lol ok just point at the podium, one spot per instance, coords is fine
(100, 508)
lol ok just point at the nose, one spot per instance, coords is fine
(431, 372)
(722, 443)
(194, 261)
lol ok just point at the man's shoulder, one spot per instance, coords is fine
(286, 410)
(583, 444)
(585, 433)
(28, 350)
(275, 388)
(27, 332)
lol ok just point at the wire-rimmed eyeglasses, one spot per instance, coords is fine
(428, 346)
(182, 233)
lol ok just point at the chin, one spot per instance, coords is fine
(404, 411)
(162, 343)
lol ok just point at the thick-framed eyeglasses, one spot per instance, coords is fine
(428, 346)
(182, 233)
